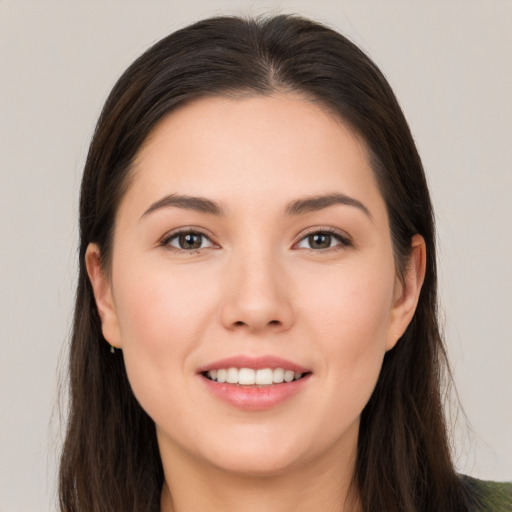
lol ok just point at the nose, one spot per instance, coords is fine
(256, 297)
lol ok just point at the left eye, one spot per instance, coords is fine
(188, 241)
(322, 240)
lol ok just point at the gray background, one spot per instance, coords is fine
(451, 67)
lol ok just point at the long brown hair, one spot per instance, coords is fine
(110, 460)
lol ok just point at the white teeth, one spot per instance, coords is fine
(264, 377)
(278, 375)
(232, 376)
(289, 375)
(247, 376)
(250, 377)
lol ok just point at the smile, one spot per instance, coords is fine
(251, 377)
(255, 383)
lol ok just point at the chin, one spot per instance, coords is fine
(264, 465)
(253, 455)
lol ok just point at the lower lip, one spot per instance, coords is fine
(255, 398)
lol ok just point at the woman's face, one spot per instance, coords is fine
(253, 237)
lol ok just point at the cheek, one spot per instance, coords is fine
(162, 317)
(350, 321)
(353, 304)
(160, 310)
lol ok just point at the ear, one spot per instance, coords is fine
(407, 291)
(102, 288)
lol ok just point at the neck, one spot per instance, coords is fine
(319, 485)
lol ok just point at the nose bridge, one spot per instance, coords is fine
(255, 295)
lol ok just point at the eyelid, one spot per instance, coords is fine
(344, 238)
(164, 241)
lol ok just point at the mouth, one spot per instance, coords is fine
(255, 383)
(254, 377)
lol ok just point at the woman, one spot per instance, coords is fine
(256, 325)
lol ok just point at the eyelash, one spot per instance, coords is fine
(343, 240)
(166, 241)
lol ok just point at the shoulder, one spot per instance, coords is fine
(488, 496)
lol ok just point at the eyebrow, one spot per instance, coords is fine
(296, 207)
(316, 203)
(199, 204)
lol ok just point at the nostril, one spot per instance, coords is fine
(239, 323)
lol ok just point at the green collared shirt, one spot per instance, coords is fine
(489, 496)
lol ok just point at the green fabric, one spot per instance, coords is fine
(489, 496)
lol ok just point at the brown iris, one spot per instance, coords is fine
(320, 240)
(190, 241)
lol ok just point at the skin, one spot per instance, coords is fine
(256, 286)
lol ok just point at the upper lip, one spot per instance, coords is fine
(254, 362)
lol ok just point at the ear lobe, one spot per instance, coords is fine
(407, 291)
(102, 289)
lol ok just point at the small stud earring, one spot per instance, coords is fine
(112, 349)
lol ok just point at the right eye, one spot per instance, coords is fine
(324, 240)
(188, 241)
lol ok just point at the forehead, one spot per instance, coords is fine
(253, 149)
